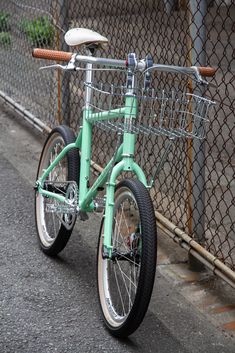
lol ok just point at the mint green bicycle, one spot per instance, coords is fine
(127, 246)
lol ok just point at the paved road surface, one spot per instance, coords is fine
(50, 305)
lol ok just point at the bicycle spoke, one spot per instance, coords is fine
(119, 291)
(124, 275)
(119, 233)
(127, 258)
(127, 227)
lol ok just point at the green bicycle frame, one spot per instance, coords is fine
(122, 161)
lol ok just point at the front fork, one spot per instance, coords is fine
(126, 164)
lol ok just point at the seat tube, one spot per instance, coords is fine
(86, 139)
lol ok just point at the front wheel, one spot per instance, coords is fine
(125, 281)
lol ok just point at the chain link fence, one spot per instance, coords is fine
(196, 187)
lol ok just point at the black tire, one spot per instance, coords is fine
(52, 234)
(134, 240)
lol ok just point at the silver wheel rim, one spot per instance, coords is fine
(118, 280)
(49, 223)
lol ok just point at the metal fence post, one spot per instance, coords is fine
(197, 201)
(65, 89)
(60, 13)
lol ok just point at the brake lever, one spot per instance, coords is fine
(58, 66)
(197, 76)
(69, 67)
(200, 80)
(54, 66)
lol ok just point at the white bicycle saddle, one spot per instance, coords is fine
(79, 36)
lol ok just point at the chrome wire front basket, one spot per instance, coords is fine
(172, 114)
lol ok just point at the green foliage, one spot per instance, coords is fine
(24, 23)
(4, 21)
(5, 39)
(39, 32)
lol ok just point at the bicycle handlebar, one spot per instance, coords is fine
(51, 54)
(66, 56)
(206, 71)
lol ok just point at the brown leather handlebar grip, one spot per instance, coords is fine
(51, 54)
(206, 71)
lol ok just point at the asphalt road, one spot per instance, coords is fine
(50, 305)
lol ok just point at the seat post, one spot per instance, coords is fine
(88, 80)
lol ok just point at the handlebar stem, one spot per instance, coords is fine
(101, 61)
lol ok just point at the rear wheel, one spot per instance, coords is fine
(125, 281)
(54, 229)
